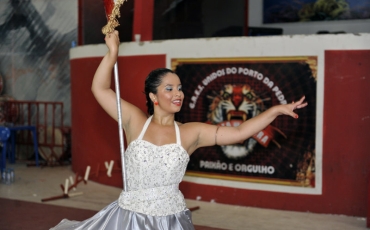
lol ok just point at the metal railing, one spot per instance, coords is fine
(47, 117)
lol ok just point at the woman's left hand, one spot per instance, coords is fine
(112, 40)
(288, 109)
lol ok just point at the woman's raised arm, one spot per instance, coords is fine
(101, 85)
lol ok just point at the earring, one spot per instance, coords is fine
(156, 103)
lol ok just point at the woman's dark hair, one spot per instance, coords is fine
(152, 81)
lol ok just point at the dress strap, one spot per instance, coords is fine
(178, 138)
(145, 128)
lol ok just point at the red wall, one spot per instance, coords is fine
(143, 19)
(346, 142)
(368, 205)
(346, 135)
(95, 134)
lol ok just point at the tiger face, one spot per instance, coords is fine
(233, 105)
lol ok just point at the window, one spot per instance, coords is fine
(175, 19)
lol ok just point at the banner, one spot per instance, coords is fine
(228, 91)
(285, 11)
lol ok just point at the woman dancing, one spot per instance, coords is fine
(158, 149)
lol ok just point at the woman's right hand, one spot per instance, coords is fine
(112, 41)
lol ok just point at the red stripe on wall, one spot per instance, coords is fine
(143, 19)
(346, 144)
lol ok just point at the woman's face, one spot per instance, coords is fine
(169, 93)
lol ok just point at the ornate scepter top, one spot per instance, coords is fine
(112, 12)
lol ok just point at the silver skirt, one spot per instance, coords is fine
(113, 217)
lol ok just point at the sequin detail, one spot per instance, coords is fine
(159, 201)
(153, 176)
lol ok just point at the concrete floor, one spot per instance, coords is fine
(34, 183)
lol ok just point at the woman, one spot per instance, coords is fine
(158, 149)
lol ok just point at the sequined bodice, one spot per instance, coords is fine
(153, 175)
(148, 165)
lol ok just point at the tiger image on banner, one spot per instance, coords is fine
(234, 105)
(227, 92)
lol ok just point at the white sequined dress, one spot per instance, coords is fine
(153, 199)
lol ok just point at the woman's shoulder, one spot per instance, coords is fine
(192, 125)
(138, 119)
(136, 124)
(191, 132)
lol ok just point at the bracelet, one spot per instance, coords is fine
(216, 135)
